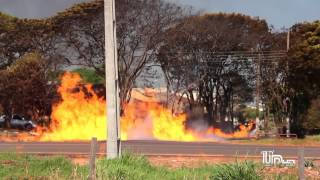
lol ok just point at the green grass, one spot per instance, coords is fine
(13, 166)
(16, 166)
(136, 168)
(314, 138)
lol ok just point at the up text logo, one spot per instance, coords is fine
(271, 159)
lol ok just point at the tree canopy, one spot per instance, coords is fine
(76, 37)
(304, 70)
(24, 87)
(211, 58)
(200, 56)
(304, 58)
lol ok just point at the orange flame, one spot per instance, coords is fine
(81, 115)
(152, 121)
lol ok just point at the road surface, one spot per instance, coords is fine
(157, 148)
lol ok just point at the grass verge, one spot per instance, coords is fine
(20, 166)
(131, 167)
(16, 166)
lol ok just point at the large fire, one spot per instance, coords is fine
(81, 115)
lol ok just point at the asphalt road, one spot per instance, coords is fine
(157, 148)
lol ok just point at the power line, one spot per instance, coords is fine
(226, 52)
(271, 55)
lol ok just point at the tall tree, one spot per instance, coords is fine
(76, 36)
(201, 55)
(22, 36)
(304, 70)
(140, 32)
(24, 87)
(273, 73)
(304, 59)
(313, 116)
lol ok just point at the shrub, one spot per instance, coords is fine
(237, 171)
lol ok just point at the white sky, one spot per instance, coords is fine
(280, 13)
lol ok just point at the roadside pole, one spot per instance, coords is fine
(301, 164)
(258, 74)
(112, 88)
(92, 161)
(287, 106)
(288, 40)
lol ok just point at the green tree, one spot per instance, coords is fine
(304, 70)
(22, 36)
(4, 100)
(90, 75)
(313, 115)
(198, 57)
(304, 59)
(24, 87)
(141, 27)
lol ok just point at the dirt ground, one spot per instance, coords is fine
(196, 161)
(176, 161)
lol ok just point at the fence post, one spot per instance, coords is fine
(92, 162)
(301, 163)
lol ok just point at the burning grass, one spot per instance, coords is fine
(13, 166)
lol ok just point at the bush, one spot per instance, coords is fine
(313, 115)
(237, 171)
(128, 167)
(24, 87)
(1, 110)
(309, 163)
(138, 167)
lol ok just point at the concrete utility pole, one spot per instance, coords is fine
(258, 71)
(112, 88)
(287, 105)
(288, 41)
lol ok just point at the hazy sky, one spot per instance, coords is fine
(277, 12)
(35, 8)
